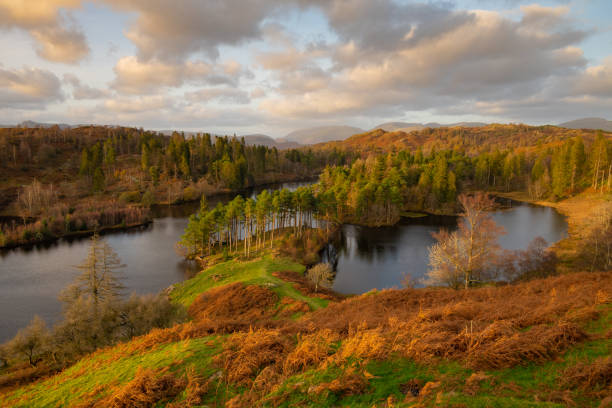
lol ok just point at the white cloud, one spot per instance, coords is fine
(140, 77)
(173, 30)
(83, 91)
(56, 37)
(28, 88)
(224, 95)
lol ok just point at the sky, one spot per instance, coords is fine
(273, 66)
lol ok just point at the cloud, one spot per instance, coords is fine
(28, 88)
(224, 95)
(83, 91)
(171, 31)
(138, 77)
(596, 80)
(57, 38)
(131, 105)
(422, 56)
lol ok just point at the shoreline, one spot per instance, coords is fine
(122, 228)
(579, 211)
(77, 235)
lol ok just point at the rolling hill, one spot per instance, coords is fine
(322, 134)
(265, 140)
(409, 127)
(589, 123)
(472, 139)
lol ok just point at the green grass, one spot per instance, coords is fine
(106, 370)
(254, 272)
(527, 382)
(386, 378)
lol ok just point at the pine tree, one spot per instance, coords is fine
(98, 281)
(577, 162)
(98, 180)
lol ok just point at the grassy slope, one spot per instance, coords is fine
(109, 368)
(116, 366)
(516, 387)
(523, 386)
(254, 272)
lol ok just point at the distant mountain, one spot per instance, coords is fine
(265, 140)
(399, 126)
(589, 123)
(32, 124)
(409, 127)
(322, 134)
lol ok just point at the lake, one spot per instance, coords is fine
(380, 257)
(31, 278)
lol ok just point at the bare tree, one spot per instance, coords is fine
(467, 255)
(31, 342)
(98, 280)
(35, 197)
(321, 274)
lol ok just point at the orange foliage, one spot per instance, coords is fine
(235, 304)
(147, 389)
(245, 354)
(595, 376)
(310, 350)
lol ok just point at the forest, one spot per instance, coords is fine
(65, 182)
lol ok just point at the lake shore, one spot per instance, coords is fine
(579, 211)
(217, 192)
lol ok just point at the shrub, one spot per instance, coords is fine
(31, 342)
(148, 199)
(147, 389)
(190, 194)
(129, 197)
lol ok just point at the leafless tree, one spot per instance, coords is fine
(467, 255)
(321, 275)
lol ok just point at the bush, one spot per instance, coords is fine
(190, 194)
(130, 197)
(32, 342)
(148, 199)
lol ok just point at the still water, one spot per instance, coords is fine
(379, 258)
(32, 278)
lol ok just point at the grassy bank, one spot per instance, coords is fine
(253, 272)
(259, 336)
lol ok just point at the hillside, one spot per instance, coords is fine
(409, 127)
(588, 123)
(260, 336)
(322, 134)
(265, 140)
(472, 139)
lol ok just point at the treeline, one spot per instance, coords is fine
(126, 170)
(224, 161)
(375, 190)
(249, 225)
(97, 151)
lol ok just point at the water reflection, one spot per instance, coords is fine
(367, 258)
(32, 277)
